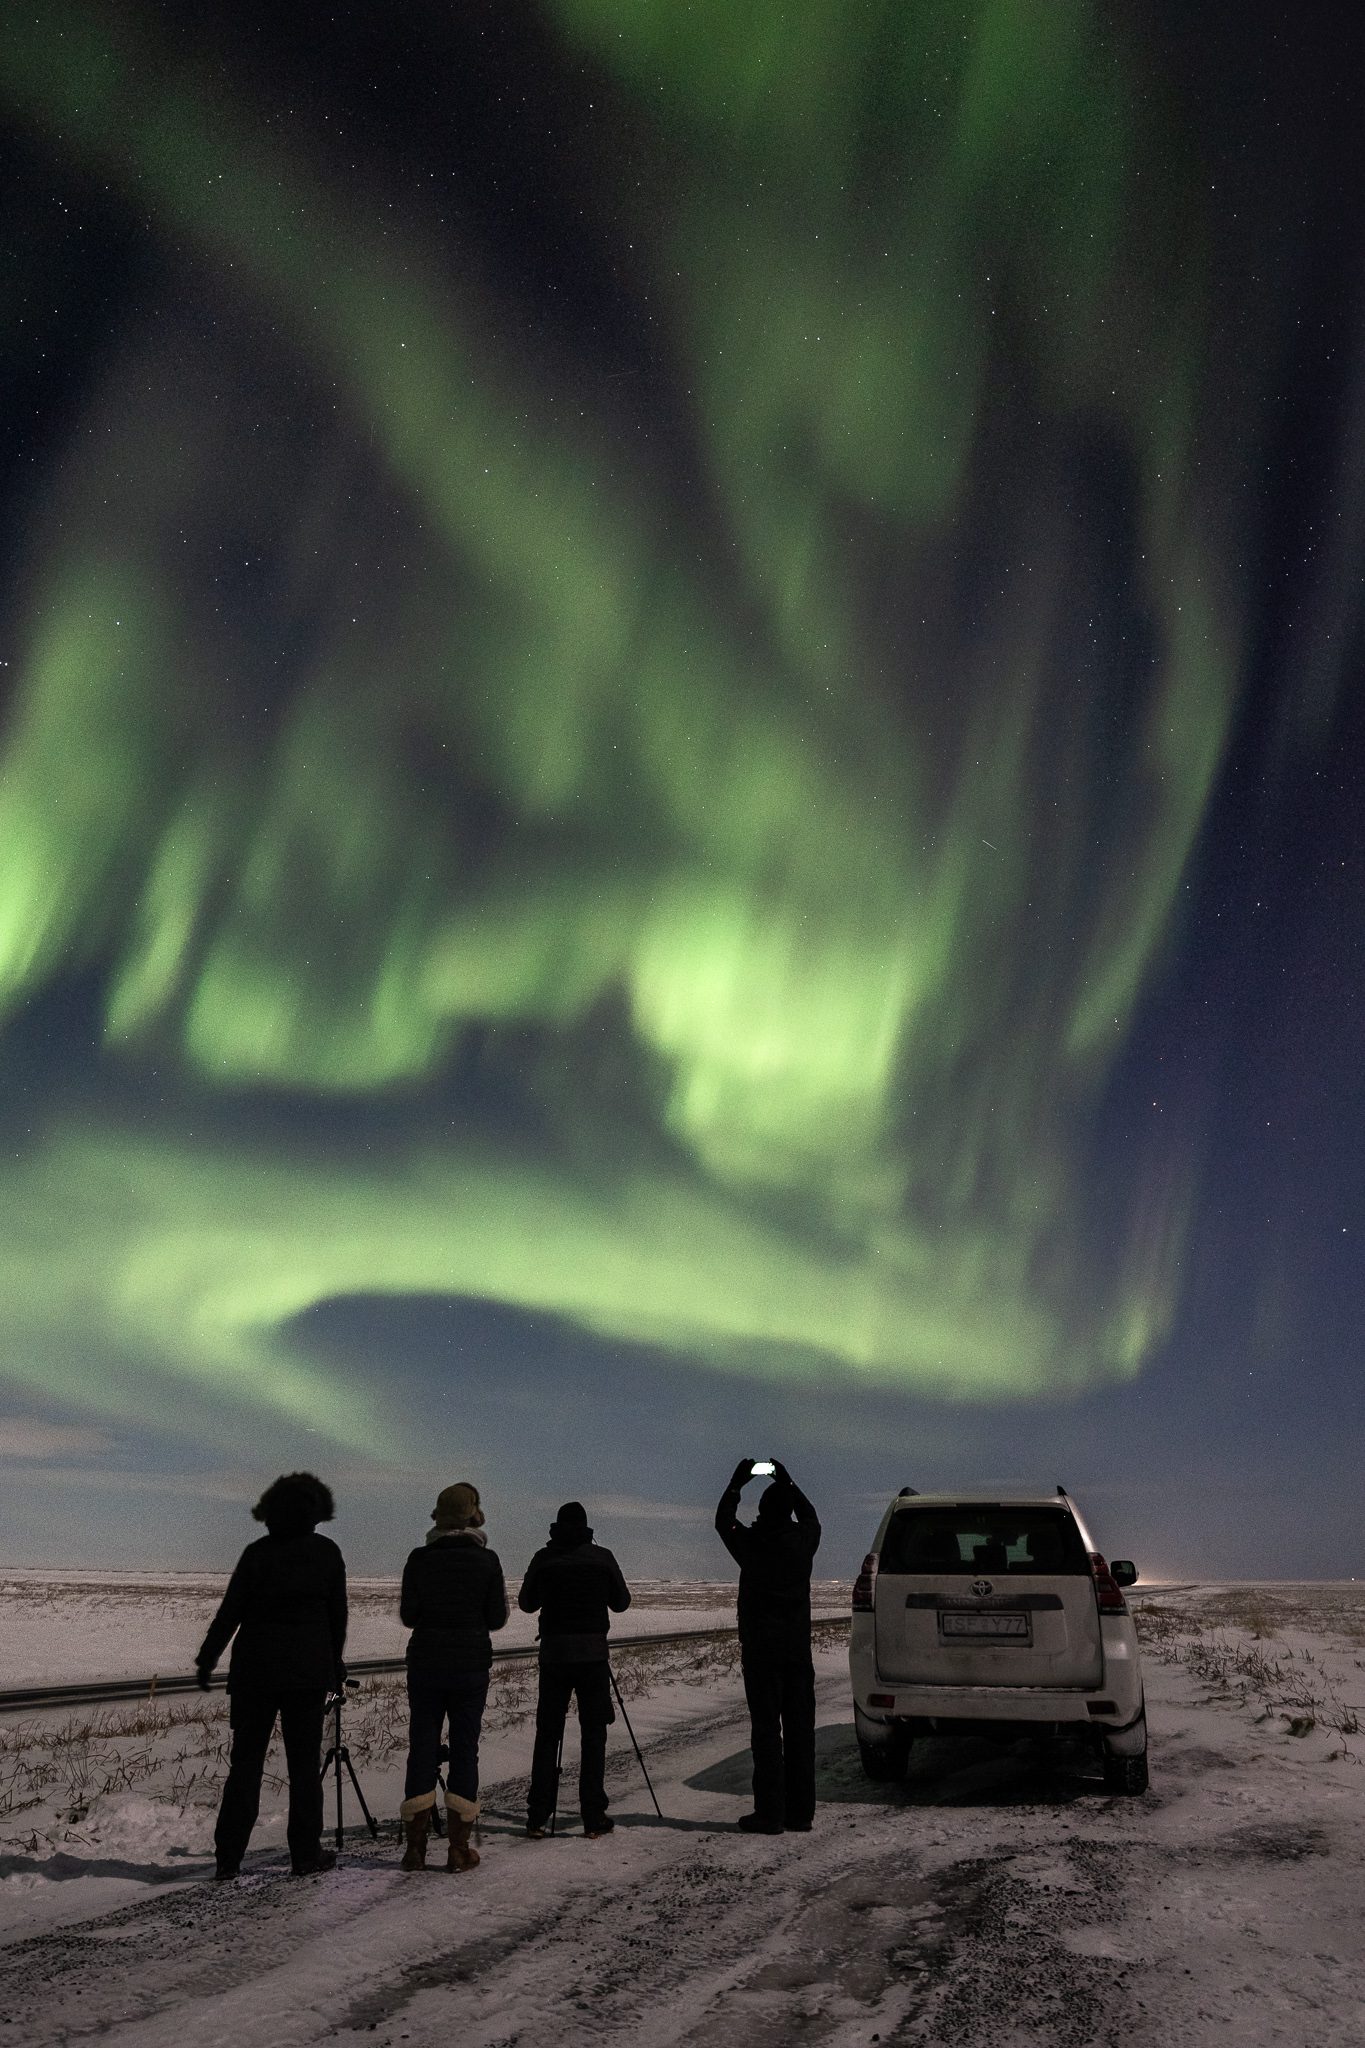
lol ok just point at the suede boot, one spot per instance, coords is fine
(461, 1854)
(415, 1829)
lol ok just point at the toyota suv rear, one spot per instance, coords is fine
(994, 1617)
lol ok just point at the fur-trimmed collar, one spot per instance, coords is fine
(457, 1536)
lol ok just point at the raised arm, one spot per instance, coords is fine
(807, 1521)
(729, 1528)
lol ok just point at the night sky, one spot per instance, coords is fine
(681, 768)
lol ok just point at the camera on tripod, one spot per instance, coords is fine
(338, 1755)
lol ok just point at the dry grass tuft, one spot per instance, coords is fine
(171, 1750)
(1291, 1685)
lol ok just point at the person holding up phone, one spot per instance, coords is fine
(775, 1554)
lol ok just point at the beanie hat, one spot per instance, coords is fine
(570, 1525)
(777, 1503)
(457, 1507)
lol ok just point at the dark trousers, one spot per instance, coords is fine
(559, 1683)
(781, 1696)
(459, 1699)
(251, 1716)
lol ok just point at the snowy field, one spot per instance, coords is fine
(59, 1628)
(997, 1900)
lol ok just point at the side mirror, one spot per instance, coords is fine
(1123, 1571)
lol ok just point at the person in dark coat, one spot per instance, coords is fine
(452, 1596)
(774, 1555)
(286, 1608)
(572, 1583)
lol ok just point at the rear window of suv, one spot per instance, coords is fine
(965, 1540)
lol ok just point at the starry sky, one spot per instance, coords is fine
(680, 768)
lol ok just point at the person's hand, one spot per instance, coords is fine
(743, 1473)
(203, 1674)
(780, 1472)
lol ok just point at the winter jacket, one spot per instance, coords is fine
(286, 1603)
(452, 1595)
(571, 1583)
(774, 1556)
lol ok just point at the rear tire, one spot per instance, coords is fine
(885, 1762)
(1125, 1776)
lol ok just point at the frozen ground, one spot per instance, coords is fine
(998, 1898)
(58, 1628)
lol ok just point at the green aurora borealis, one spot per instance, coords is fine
(725, 885)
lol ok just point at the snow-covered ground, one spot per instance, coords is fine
(997, 1898)
(58, 1628)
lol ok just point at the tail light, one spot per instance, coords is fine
(1108, 1594)
(862, 1585)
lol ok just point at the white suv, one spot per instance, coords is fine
(977, 1616)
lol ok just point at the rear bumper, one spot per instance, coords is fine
(1001, 1705)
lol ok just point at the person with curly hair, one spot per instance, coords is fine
(285, 1606)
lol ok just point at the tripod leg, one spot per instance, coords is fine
(337, 1769)
(442, 1757)
(633, 1743)
(332, 1760)
(370, 1820)
(559, 1771)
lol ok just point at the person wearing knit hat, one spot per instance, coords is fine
(453, 1595)
(457, 1507)
(572, 1583)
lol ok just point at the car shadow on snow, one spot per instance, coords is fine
(943, 1771)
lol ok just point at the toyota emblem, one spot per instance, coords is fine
(982, 1587)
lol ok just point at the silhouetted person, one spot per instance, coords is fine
(571, 1584)
(453, 1595)
(774, 1555)
(286, 1606)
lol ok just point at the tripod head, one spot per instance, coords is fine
(337, 1696)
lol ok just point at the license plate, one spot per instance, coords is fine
(993, 1626)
